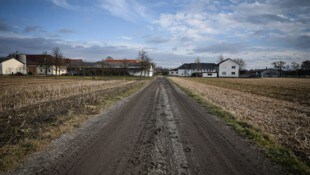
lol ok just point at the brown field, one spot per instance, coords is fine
(279, 108)
(34, 111)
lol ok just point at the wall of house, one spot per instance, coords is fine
(147, 73)
(209, 74)
(173, 73)
(51, 70)
(270, 73)
(11, 66)
(226, 69)
(185, 72)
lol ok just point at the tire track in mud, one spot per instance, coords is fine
(159, 150)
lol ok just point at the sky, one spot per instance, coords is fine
(171, 31)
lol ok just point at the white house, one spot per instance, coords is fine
(9, 66)
(173, 72)
(193, 69)
(228, 68)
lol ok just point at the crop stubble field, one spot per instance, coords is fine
(279, 108)
(34, 111)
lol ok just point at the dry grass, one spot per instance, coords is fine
(259, 102)
(290, 89)
(37, 110)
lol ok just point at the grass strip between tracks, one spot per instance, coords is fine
(276, 152)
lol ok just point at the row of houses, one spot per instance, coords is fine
(226, 68)
(49, 65)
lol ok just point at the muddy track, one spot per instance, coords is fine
(157, 131)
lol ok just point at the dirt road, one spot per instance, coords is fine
(161, 131)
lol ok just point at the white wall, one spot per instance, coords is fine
(185, 72)
(11, 66)
(226, 69)
(51, 70)
(173, 73)
(210, 74)
(148, 73)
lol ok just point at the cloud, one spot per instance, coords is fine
(222, 48)
(130, 10)
(65, 31)
(3, 26)
(64, 4)
(157, 39)
(71, 49)
(29, 29)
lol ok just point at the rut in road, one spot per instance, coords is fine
(161, 131)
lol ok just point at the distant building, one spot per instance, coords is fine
(110, 67)
(9, 66)
(226, 68)
(44, 65)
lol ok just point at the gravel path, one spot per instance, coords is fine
(159, 130)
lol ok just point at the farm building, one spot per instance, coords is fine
(173, 72)
(110, 67)
(226, 68)
(44, 65)
(9, 66)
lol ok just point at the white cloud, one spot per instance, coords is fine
(130, 10)
(63, 4)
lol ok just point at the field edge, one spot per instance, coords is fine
(277, 153)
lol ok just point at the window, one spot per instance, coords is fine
(49, 70)
(41, 70)
(233, 73)
(233, 67)
(223, 73)
(209, 74)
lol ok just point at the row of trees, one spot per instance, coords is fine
(280, 65)
(293, 69)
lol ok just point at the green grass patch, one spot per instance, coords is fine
(276, 152)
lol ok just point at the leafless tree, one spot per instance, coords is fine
(58, 59)
(279, 65)
(125, 66)
(47, 62)
(295, 65)
(198, 67)
(241, 62)
(305, 65)
(145, 62)
(220, 59)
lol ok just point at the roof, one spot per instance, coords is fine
(176, 69)
(122, 61)
(4, 59)
(38, 59)
(8, 58)
(198, 66)
(82, 64)
(226, 60)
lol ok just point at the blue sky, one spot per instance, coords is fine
(172, 32)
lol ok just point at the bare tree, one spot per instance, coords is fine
(305, 65)
(58, 59)
(198, 63)
(220, 59)
(279, 65)
(125, 66)
(145, 62)
(295, 65)
(47, 62)
(241, 62)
